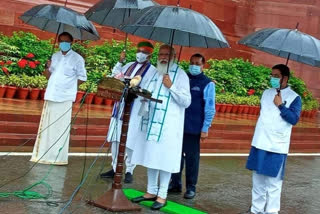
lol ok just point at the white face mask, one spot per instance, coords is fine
(141, 57)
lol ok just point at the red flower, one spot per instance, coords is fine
(1, 63)
(9, 62)
(251, 92)
(22, 63)
(5, 70)
(37, 62)
(305, 94)
(30, 55)
(32, 65)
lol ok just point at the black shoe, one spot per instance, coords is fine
(141, 198)
(109, 174)
(189, 194)
(157, 205)
(128, 178)
(174, 188)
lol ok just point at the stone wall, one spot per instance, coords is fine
(235, 18)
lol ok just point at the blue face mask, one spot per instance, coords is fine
(275, 82)
(194, 70)
(65, 46)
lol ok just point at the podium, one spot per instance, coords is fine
(114, 199)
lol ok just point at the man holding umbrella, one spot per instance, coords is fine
(280, 110)
(65, 71)
(143, 68)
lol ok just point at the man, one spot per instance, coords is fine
(158, 130)
(142, 67)
(280, 110)
(198, 119)
(65, 71)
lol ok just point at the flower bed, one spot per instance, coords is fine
(239, 83)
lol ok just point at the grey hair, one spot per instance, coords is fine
(171, 49)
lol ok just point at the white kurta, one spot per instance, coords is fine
(166, 154)
(114, 133)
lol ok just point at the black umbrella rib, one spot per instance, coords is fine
(45, 25)
(106, 17)
(152, 33)
(205, 39)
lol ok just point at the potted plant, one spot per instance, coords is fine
(42, 85)
(229, 101)
(89, 86)
(97, 100)
(235, 104)
(82, 90)
(3, 85)
(221, 99)
(245, 102)
(34, 87)
(23, 87)
(218, 102)
(314, 108)
(11, 86)
(241, 106)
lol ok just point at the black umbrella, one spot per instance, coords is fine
(286, 43)
(58, 19)
(113, 12)
(176, 26)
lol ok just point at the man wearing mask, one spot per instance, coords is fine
(65, 71)
(280, 110)
(158, 130)
(198, 119)
(143, 68)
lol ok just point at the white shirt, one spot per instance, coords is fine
(65, 71)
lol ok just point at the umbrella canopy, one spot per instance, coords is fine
(113, 12)
(175, 25)
(58, 19)
(286, 43)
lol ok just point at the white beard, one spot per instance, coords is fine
(162, 68)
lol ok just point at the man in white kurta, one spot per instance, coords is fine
(142, 67)
(64, 71)
(158, 132)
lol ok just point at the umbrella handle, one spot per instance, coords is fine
(171, 52)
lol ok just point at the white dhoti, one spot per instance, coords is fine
(266, 193)
(52, 143)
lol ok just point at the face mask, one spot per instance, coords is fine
(194, 69)
(275, 82)
(141, 57)
(65, 46)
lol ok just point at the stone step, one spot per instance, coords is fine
(97, 141)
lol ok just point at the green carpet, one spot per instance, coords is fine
(172, 207)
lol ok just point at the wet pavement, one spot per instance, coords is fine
(224, 186)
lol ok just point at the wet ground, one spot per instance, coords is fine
(224, 186)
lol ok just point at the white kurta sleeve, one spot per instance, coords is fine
(117, 69)
(180, 90)
(81, 70)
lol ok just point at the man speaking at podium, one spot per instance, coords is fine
(143, 68)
